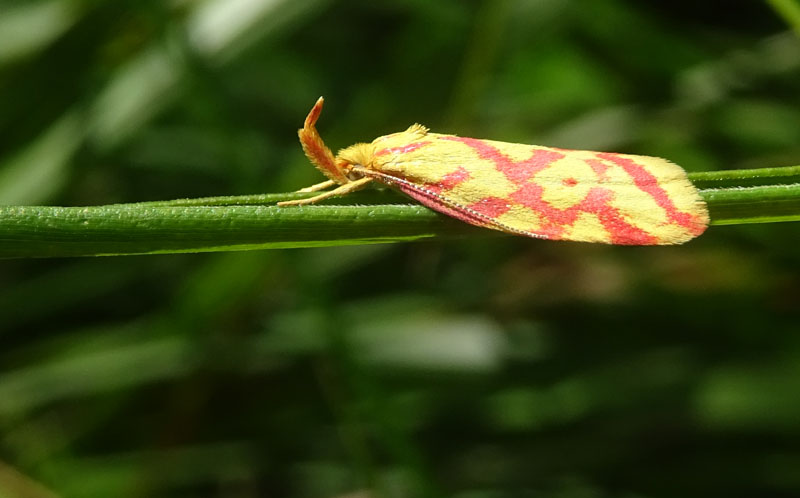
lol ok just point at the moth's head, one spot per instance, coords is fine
(357, 155)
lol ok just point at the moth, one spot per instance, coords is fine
(531, 190)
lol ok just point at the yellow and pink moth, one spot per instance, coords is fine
(541, 192)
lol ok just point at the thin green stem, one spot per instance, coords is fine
(766, 204)
(254, 222)
(746, 177)
(44, 231)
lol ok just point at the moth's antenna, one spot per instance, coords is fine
(316, 150)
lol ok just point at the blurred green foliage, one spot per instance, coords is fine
(498, 367)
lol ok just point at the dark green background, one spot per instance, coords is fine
(474, 368)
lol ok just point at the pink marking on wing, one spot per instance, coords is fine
(516, 171)
(599, 168)
(490, 206)
(449, 181)
(648, 184)
(569, 182)
(598, 201)
(554, 220)
(530, 195)
(402, 150)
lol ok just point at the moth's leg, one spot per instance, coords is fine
(341, 190)
(318, 186)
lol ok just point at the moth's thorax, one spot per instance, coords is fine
(375, 154)
(407, 136)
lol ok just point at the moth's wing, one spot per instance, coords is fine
(637, 200)
(549, 193)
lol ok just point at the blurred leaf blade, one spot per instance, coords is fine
(38, 171)
(25, 29)
(789, 10)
